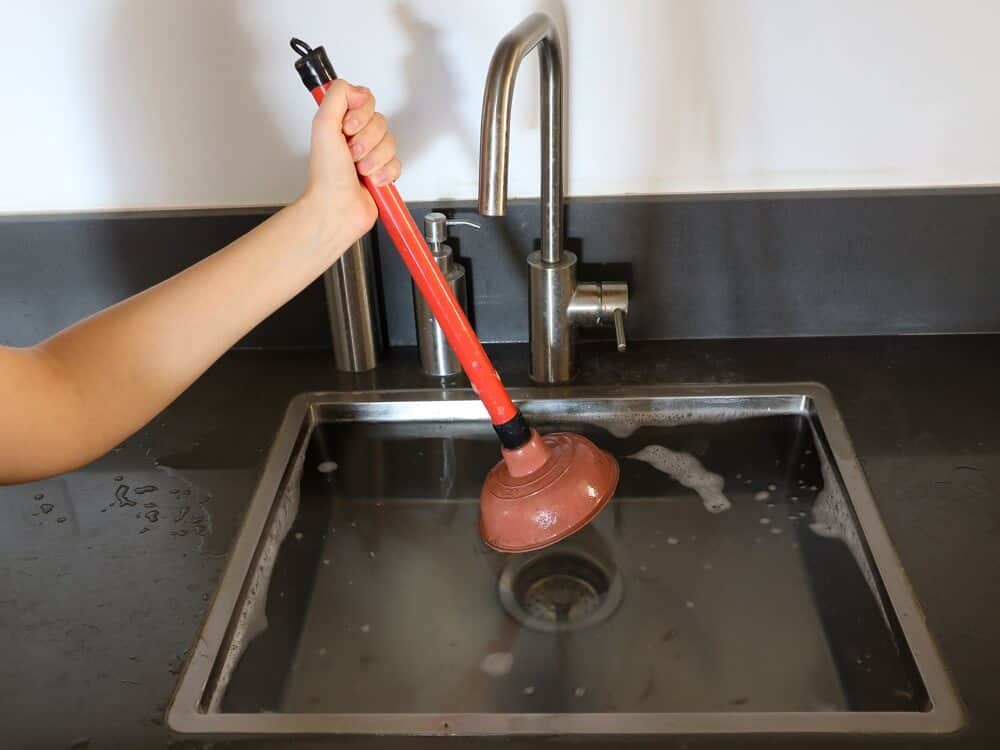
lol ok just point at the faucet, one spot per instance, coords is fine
(558, 303)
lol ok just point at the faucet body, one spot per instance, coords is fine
(558, 304)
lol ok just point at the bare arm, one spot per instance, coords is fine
(74, 396)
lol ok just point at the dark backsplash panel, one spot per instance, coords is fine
(794, 264)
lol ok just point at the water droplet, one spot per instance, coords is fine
(144, 529)
(179, 532)
(122, 496)
(707, 566)
(119, 478)
(326, 562)
(371, 555)
(528, 690)
(322, 652)
(776, 530)
(326, 467)
(772, 487)
(46, 507)
(643, 568)
(298, 535)
(762, 495)
(40, 496)
(689, 604)
(204, 597)
(61, 519)
(580, 691)
(673, 540)
(765, 521)
(366, 628)
(152, 516)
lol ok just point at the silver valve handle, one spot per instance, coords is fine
(619, 321)
(436, 226)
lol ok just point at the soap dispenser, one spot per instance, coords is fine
(436, 355)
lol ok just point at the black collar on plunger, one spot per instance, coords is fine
(313, 65)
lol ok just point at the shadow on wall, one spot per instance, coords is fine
(431, 112)
(685, 87)
(178, 101)
(432, 90)
(182, 117)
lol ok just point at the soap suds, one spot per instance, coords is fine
(688, 471)
(833, 520)
(252, 619)
(497, 664)
(625, 427)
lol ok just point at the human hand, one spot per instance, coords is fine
(349, 138)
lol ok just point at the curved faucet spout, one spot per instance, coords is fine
(537, 30)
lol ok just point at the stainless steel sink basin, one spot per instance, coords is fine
(741, 581)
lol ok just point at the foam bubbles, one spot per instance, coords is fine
(497, 664)
(688, 471)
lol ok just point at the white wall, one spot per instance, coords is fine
(170, 103)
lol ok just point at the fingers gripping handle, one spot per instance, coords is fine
(317, 74)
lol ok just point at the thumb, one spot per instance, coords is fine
(330, 117)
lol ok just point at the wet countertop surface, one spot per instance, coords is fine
(102, 589)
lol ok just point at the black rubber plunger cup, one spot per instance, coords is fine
(546, 487)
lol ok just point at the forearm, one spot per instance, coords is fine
(71, 398)
(122, 366)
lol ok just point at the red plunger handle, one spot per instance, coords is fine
(428, 277)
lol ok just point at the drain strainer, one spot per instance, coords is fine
(562, 589)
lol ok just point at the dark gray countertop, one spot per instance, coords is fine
(99, 599)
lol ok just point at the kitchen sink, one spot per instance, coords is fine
(740, 581)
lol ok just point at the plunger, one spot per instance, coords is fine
(546, 487)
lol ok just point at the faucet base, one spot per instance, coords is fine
(552, 335)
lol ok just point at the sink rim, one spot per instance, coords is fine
(188, 713)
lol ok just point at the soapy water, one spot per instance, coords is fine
(625, 427)
(252, 619)
(689, 472)
(833, 520)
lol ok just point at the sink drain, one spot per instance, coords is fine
(561, 589)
